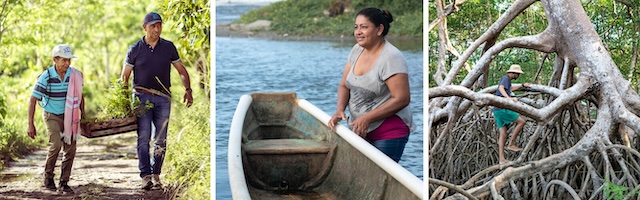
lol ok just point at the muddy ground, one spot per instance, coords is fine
(104, 168)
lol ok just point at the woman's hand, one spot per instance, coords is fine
(361, 125)
(339, 116)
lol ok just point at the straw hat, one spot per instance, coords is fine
(515, 69)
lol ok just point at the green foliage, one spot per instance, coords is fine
(617, 192)
(306, 17)
(118, 104)
(192, 20)
(396, 7)
(13, 138)
(188, 155)
(100, 33)
(3, 110)
(13, 142)
(616, 23)
(473, 19)
(406, 24)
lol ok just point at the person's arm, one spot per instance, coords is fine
(398, 85)
(127, 66)
(184, 76)
(126, 73)
(520, 86)
(343, 98)
(515, 87)
(504, 93)
(83, 114)
(31, 131)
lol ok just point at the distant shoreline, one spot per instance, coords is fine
(244, 2)
(224, 30)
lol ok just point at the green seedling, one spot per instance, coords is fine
(119, 104)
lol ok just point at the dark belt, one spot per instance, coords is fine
(158, 93)
(143, 92)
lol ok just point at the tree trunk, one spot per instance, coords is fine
(568, 154)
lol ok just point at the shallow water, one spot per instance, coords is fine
(312, 69)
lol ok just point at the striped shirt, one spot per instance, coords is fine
(51, 90)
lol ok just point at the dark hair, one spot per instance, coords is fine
(377, 17)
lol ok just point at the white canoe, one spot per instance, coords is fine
(280, 147)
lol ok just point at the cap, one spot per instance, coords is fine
(515, 69)
(62, 50)
(152, 18)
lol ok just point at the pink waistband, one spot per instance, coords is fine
(391, 128)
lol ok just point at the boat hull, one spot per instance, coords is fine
(281, 148)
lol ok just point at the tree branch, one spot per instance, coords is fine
(564, 185)
(452, 187)
(543, 42)
(448, 10)
(629, 119)
(569, 96)
(565, 71)
(496, 28)
(443, 39)
(626, 3)
(583, 148)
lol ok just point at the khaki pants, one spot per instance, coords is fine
(55, 126)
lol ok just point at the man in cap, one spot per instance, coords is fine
(52, 90)
(505, 116)
(150, 59)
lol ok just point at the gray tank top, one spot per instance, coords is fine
(369, 91)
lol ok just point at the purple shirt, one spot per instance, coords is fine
(149, 63)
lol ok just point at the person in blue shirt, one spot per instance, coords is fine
(51, 90)
(505, 116)
(150, 59)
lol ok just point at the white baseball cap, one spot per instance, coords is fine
(62, 50)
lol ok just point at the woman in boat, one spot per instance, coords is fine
(375, 86)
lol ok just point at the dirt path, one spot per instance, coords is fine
(104, 168)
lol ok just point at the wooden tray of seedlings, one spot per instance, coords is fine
(118, 115)
(109, 127)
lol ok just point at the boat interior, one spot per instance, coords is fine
(289, 154)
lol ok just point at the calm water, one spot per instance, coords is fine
(312, 69)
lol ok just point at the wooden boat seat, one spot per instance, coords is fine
(285, 146)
